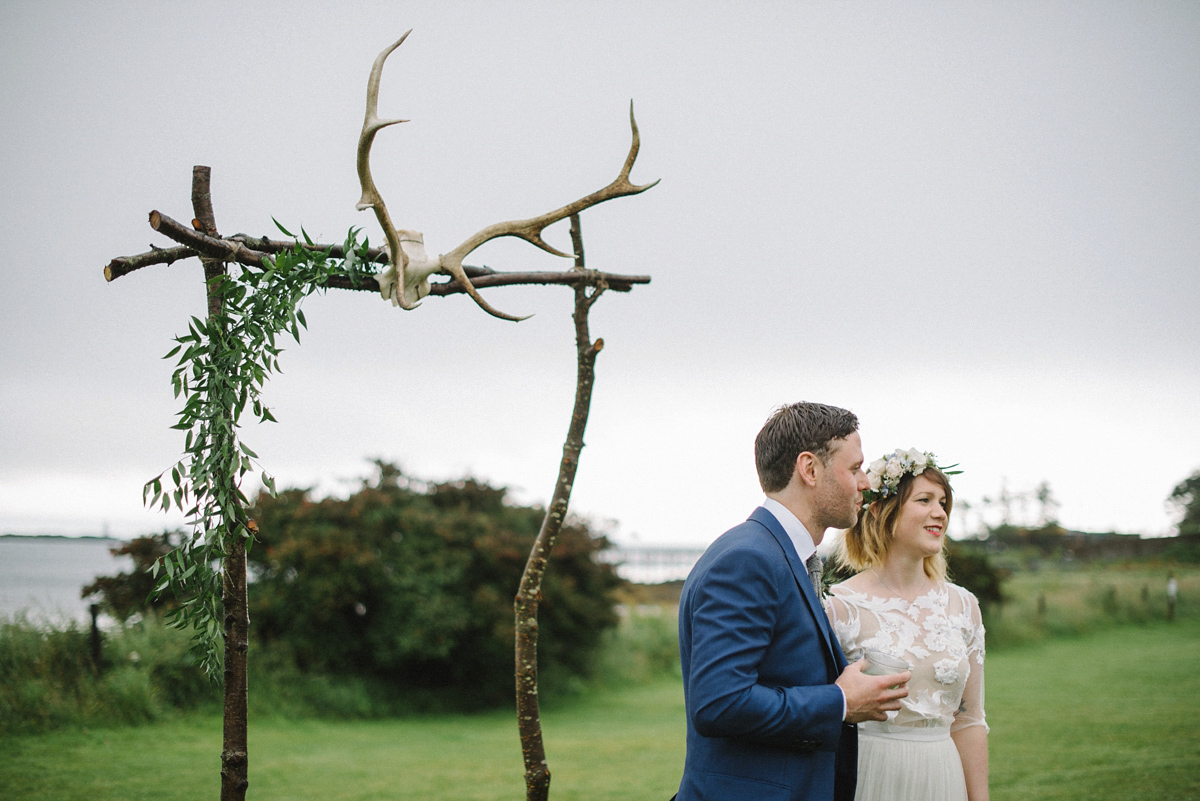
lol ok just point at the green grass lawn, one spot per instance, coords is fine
(1106, 716)
(616, 745)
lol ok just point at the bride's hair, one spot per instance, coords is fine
(865, 544)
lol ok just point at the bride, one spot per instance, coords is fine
(935, 747)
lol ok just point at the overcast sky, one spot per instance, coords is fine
(974, 224)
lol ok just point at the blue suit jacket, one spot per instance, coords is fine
(764, 720)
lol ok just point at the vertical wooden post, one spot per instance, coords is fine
(94, 640)
(529, 594)
(234, 752)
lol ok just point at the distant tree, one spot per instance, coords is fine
(414, 583)
(1185, 499)
(1048, 505)
(126, 594)
(1049, 540)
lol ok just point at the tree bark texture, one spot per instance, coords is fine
(252, 252)
(537, 770)
(234, 752)
(235, 767)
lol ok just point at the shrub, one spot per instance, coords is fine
(413, 583)
(970, 567)
(48, 679)
(1186, 549)
(127, 594)
(45, 675)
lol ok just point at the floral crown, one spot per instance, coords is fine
(885, 473)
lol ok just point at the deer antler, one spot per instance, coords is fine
(410, 267)
(531, 230)
(371, 199)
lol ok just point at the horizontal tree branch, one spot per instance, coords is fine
(253, 251)
(613, 281)
(374, 255)
(123, 265)
(205, 245)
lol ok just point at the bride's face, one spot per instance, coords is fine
(921, 525)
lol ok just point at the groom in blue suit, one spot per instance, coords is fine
(771, 702)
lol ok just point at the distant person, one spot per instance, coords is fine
(771, 702)
(1172, 595)
(936, 745)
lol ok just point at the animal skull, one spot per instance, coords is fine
(416, 274)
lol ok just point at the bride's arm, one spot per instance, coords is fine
(970, 730)
(973, 750)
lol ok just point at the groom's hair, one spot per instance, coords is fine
(790, 431)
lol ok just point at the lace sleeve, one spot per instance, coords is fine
(844, 619)
(970, 708)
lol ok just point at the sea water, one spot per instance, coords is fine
(41, 577)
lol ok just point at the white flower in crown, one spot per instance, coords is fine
(895, 468)
(884, 474)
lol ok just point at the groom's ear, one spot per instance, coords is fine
(806, 468)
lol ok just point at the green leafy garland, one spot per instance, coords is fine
(223, 364)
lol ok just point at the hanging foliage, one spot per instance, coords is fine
(222, 364)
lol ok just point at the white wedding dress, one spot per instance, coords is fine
(911, 757)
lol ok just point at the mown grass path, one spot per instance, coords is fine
(1108, 716)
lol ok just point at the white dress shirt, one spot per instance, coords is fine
(797, 533)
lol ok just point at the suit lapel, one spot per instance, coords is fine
(800, 574)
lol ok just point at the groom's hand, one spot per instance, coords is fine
(871, 697)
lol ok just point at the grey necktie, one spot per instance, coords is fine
(814, 565)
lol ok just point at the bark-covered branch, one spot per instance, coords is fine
(235, 760)
(202, 242)
(262, 243)
(614, 281)
(253, 251)
(124, 265)
(236, 623)
(529, 594)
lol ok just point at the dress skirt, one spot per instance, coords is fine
(901, 763)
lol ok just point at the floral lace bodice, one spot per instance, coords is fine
(940, 634)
